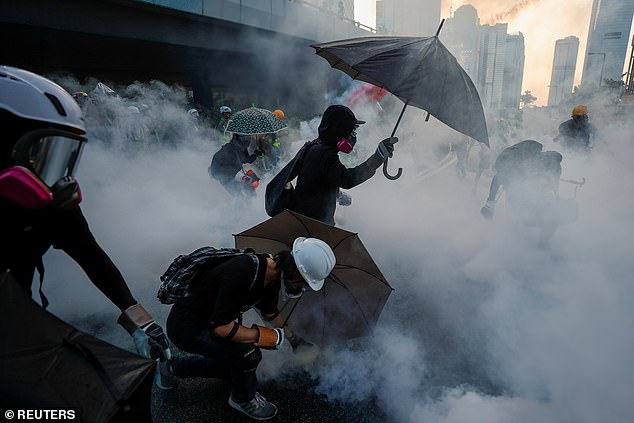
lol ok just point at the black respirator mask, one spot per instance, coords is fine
(292, 289)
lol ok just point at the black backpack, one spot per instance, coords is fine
(176, 280)
(277, 198)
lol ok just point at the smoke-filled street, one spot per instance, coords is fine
(504, 251)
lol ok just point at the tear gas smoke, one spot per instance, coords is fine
(483, 324)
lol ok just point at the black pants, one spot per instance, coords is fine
(217, 358)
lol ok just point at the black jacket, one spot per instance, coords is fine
(320, 177)
(27, 234)
(228, 161)
(576, 136)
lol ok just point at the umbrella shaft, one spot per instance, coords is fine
(399, 118)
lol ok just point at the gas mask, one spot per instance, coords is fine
(345, 145)
(292, 289)
(44, 164)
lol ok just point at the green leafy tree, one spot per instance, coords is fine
(527, 99)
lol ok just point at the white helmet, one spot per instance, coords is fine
(33, 97)
(314, 260)
(225, 109)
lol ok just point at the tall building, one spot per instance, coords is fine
(461, 35)
(513, 71)
(492, 63)
(608, 36)
(562, 77)
(418, 18)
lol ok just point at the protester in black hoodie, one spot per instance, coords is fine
(228, 161)
(322, 173)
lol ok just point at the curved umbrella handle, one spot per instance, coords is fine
(387, 175)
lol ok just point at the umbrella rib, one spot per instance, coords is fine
(339, 266)
(338, 282)
(342, 240)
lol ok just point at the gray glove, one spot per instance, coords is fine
(344, 199)
(297, 341)
(151, 342)
(148, 336)
(487, 210)
(386, 147)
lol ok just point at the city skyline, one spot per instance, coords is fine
(541, 23)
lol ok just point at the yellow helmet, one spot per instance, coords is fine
(579, 110)
(279, 114)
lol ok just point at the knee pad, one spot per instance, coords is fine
(250, 359)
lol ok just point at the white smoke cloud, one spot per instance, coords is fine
(483, 324)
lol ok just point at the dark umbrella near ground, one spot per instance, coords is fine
(418, 70)
(254, 121)
(46, 364)
(350, 303)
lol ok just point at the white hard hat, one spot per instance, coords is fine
(225, 109)
(34, 97)
(314, 259)
(133, 110)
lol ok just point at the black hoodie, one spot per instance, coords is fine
(322, 173)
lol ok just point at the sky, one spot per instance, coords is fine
(541, 21)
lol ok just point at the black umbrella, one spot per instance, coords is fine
(46, 363)
(418, 70)
(354, 294)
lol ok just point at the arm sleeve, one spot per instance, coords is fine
(337, 174)
(75, 239)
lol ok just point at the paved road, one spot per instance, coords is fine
(205, 400)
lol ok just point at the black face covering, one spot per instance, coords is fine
(580, 119)
(292, 289)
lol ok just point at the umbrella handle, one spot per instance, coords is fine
(387, 175)
(400, 169)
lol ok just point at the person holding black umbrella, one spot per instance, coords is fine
(40, 149)
(321, 174)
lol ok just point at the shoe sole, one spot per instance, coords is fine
(237, 407)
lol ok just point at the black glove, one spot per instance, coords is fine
(487, 210)
(344, 199)
(386, 147)
(297, 341)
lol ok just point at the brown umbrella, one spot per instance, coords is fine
(350, 303)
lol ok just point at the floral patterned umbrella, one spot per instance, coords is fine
(253, 121)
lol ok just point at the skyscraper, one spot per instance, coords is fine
(562, 77)
(513, 71)
(408, 17)
(492, 64)
(608, 37)
(461, 35)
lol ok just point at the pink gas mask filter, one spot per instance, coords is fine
(20, 187)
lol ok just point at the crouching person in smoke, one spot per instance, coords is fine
(228, 162)
(530, 179)
(43, 136)
(211, 288)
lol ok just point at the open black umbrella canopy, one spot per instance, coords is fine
(418, 70)
(353, 296)
(46, 363)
